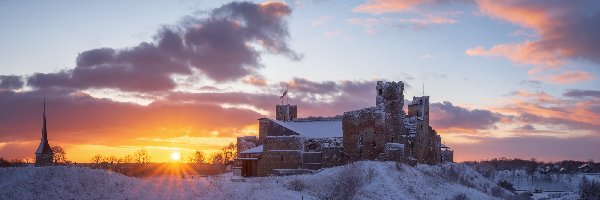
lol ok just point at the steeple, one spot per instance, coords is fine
(44, 154)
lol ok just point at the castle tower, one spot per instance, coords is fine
(44, 154)
(390, 98)
(426, 147)
(286, 112)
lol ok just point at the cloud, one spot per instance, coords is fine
(256, 81)
(571, 116)
(525, 53)
(75, 117)
(218, 46)
(447, 116)
(567, 31)
(540, 147)
(582, 93)
(11, 82)
(570, 77)
(419, 23)
(387, 6)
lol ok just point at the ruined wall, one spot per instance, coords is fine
(447, 155)
(426, 147)
(330, 149)
(284, 159)
(366, 131)
(281, 152)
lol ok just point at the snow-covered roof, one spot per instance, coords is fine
(257, 149)
(315, 129)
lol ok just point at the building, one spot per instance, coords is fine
(44, 155)
(292, 145)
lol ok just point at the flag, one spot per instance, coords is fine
(284, 93)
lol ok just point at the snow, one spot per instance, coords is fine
(368, 180)
(257, 149)
(394, 146)
(315, 129)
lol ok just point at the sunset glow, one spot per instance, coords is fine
(506, 78)
(176, 156)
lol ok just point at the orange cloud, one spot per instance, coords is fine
(566, 30)
(256, 81)
(386, 6)
(570, 77)
(524, 53)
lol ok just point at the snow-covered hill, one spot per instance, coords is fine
(361, 180)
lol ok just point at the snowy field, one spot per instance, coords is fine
(362, 180)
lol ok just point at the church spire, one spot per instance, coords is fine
(44, 132)
(44, 147)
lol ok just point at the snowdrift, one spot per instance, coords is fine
(361, 180)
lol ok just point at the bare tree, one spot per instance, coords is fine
(128, 159)
(197, 157)
(112, 159)
(229, 152)
(97, 159)
(60, 156)
(217, 158)
(141, 156)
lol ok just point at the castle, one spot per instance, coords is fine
(292, 145)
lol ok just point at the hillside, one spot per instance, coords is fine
(362, 180)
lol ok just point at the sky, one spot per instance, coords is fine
(515, 79)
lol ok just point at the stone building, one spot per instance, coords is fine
(43, 154)
(291, 145)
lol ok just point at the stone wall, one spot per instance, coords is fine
(279, 159)
(281, 152)
(283, 143)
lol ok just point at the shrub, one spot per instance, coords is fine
(589, 189)
(347, 182)
(371, 173)
(296, 185)
(399, 166)
(497, 192)
(507, 186)
(460, 196)
(522, 196)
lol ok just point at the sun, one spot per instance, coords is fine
(176, 156)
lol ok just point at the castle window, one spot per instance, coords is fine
(281, 157)
(360, 141)
(392, 138)
(379, 92)
(373, 144)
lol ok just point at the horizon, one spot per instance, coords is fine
(505, 79)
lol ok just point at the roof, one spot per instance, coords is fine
(257, 149)
(315, 129)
